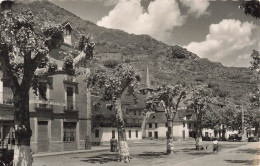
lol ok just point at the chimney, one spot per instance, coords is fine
(67, 28)
(6, 6)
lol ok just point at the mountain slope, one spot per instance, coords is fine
(172, 64)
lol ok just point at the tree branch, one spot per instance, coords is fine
(5, 62)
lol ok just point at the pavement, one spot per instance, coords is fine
(150, 153)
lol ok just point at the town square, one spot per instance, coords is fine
(129, 82)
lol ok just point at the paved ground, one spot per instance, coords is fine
(150, 153)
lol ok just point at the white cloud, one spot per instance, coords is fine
(228, 42)
(196, 7)
(160, 17)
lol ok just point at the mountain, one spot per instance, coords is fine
(170, 64)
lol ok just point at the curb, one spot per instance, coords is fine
(67, 152)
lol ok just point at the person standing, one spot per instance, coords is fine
(113, 144)
(215, 145)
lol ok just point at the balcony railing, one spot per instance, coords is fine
(6, 98)
(45, 105)
(70, 79)
(70, 106)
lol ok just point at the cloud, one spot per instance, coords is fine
(228, 42)
(159, 19)
(196, 7)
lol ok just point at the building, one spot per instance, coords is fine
(59, 113)
(104, 125)
(156, 126)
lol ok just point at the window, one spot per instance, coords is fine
(166, 133)
(96, 133)
(129, 133)
(166, 125)
(134, 112)
(136, 133)
(206, 134)
(150, 125)
(113, 134)
(150, 134)
(183, 124)
(70, 98)
(156, 125)
(189, 125)
(69, 129)
(210, 134)
(188, 117)
(140, 113)
(42, 91)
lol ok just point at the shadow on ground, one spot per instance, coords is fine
(102, 158)
(250, 151)
(244, 162)
(152, 154)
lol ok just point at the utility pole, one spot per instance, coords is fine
(243, 124)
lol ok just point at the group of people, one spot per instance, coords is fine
(113, 145)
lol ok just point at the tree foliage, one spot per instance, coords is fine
(251, 8)
(112, 84)
(168, 96)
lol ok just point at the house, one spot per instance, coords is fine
(60, 118)
(156, 126)
(104, 125)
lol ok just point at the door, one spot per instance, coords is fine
(183, 134)
(69, 129)
(43, 141)
(150, 134)
(156, 134)
(70, 98)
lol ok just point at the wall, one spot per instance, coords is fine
(105, 134)
(1, 87)
(161, 129)
(210, 132)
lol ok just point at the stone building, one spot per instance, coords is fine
(59, 115)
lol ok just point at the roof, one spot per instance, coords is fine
(102, 116)
(158, 117)
(67, 23)
(180, 116)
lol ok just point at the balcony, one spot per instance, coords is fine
(43, 105)
(6, 98)
(70, 106)
(70, 80)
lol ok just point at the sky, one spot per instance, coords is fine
(213, 29)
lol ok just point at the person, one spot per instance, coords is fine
(215, 145)
(87, 142)
(113, 144)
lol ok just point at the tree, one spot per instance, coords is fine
(251, 8)
(169, 97)
(255, 97)
(24, 50)
(199, 99)
(111, 84)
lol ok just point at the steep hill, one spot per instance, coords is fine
(172, 64)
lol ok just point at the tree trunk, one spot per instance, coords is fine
(170, 145)
(223, 133)
(23, 132)
(257, 131)
(123, 146)
(199, 132)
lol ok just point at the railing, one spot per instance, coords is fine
(43, 104)
(70, 106)
(7, 98)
